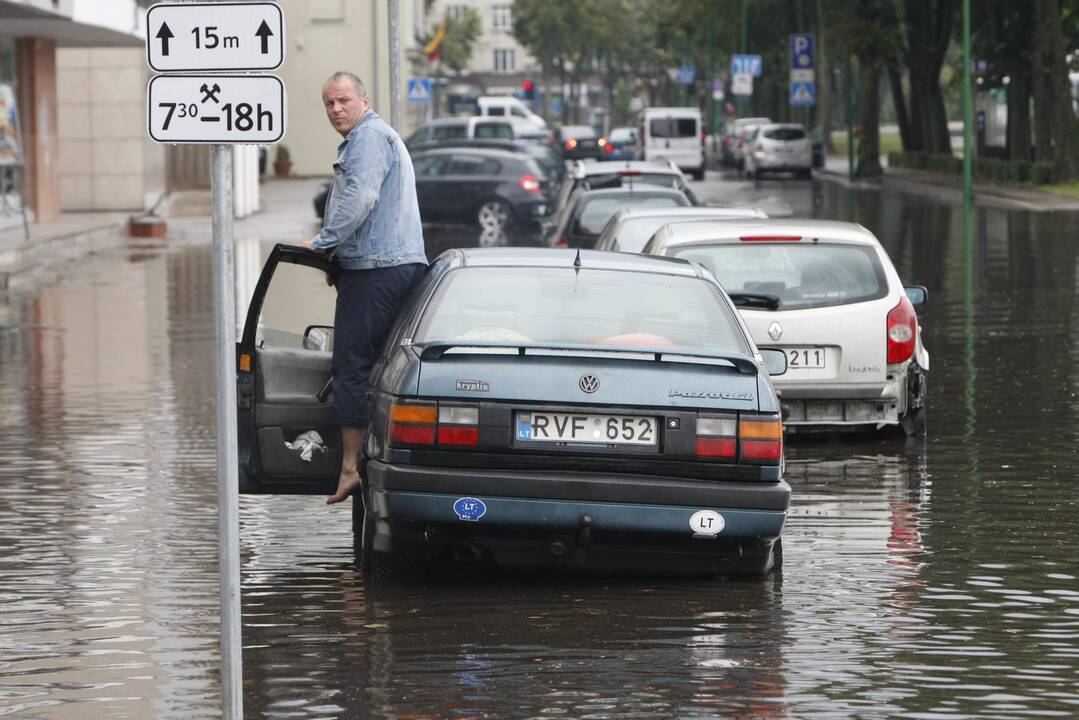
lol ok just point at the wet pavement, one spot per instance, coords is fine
(928, 579)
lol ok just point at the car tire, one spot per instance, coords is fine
(805, 174)
(913, 420)
(494, 214)
(698, 174)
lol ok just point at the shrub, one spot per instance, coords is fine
(1041, 173)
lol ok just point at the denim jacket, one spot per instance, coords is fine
(372, 217)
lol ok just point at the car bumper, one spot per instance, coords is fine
(781, 164)
(809, 406)
(572, 519)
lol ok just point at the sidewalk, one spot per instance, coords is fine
(950, 188)
(286, 215)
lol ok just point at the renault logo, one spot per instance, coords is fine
(775, 331)
(588, 383)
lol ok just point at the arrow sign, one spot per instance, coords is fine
(164, 34)
(215, 36)
(264, 32)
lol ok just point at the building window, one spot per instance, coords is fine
(505, 60)
(455, 11)
(502, 20)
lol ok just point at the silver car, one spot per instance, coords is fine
(630, 228)
(779, 147)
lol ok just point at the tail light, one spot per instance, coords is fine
(760, 438)
(428, 424)
(561, 242)
(726, 141)
(609, 148)
(529, 184)
(570, 144)
(902, 331)
(770, 238)
(717, 436)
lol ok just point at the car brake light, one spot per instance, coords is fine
(412, 424)
(609, 147)
(458, 425)
(570, 144)
(627, 172)
(902, 331)
(561, 241)
(760, 438)
(529, 184)
(769, 238)
(717, 436)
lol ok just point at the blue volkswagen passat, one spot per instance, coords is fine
(536, 407)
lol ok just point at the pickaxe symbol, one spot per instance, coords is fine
(210, 93)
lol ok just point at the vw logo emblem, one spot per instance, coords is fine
(588, 383)
(775, 331)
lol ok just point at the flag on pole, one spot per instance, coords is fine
(433, 49)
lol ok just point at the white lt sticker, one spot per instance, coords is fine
(706, 523)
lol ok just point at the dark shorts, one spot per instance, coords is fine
(368, 302)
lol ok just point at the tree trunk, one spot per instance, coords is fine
(928, 25)
(1019, 114)
(902, 117)
(825, 86)
(869, 147)
(1056, 134)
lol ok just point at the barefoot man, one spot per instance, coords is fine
(372, 229)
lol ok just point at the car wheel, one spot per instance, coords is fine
(914, 420)
(698, 174)
(805, 174)
(494, 215)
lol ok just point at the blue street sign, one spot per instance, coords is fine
(802, 52)
(419, 90)
(803, 94)
(685, 76)
(746, 65)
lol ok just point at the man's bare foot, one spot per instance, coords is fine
(349, 482)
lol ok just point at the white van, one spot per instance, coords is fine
(673, 133)
(508, 106)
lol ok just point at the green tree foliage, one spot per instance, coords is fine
(462, 31)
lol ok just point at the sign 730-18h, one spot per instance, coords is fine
(216, 108)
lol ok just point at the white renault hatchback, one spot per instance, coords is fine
(827, 294)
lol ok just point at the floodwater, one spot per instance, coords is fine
(931, 579)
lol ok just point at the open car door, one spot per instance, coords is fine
(283, 370)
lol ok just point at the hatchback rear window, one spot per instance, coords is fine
(614, 180)
(801, 275)
(596, 212)
(541, 306)
(493, 130)
(671, 127)
(785, 134)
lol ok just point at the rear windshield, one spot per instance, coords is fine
(671, 127)
(528, 305)
(602, 182)
(635, 232)
(801, 275)
(493, 130)
(578, 132)
(785, 133)
(621, 135)
(448, 132)
(596, 212)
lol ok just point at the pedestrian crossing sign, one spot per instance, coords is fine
(803, 94)
(419, 90)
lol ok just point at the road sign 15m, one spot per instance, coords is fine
(216, 108)
(215, 36)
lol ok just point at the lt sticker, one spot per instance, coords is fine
(470, 509)
(706, 523)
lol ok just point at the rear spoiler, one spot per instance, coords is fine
(435, 350)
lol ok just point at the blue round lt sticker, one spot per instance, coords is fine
(471, 509)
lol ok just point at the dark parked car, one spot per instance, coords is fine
(532, 408)
(584, 218)
(549, 159)
(578, 142)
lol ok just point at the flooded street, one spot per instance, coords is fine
(936, 578)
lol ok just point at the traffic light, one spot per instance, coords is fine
(529, 88)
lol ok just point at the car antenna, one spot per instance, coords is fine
(577, 261)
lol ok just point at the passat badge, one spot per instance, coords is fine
(706, 523)
(470, 509)
(473, 386)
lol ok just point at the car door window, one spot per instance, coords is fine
(297, 299)
(449, 132)
(427, 166)
(496, 111)
(472, 165)
(493, 130)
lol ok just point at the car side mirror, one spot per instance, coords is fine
(775, 361)
(917, 294)
(318, 337)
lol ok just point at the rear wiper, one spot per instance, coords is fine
(755, 300)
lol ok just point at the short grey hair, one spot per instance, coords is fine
(361, 89)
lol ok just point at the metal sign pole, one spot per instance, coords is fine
(395, 65)
(228, 499)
